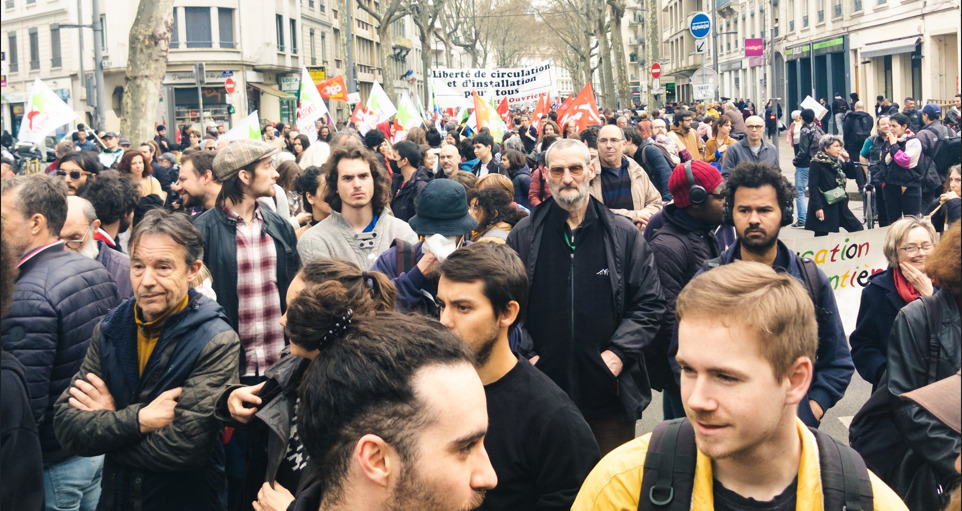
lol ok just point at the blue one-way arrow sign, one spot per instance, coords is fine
(700, 25)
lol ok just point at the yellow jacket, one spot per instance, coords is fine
(615, 483)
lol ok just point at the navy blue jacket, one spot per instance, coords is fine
(833, 362)
(59, 297)
(179, 466)
(876, 313)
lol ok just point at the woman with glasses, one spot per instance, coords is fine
(908, 243)
(826, 173)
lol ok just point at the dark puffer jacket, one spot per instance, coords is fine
(59, 298)
(876, 313)
(179, 466)
(406, 194)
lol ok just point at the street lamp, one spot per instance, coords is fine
(98, 59)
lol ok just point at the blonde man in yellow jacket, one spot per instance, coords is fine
(747, 339)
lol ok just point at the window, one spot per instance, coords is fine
(310, 4)
(293, 36)
(197, 20)
(9, 4)
(313, 49)
(857, 5)
(323, 7)
(12, 48)
(34, 49)
(882, 2)
(31, 2)
(225, 20)
(805, 21)
(55, 54)
(174, 36)
(279, 25)
(837, 9)
(821, 15)
(323, 47)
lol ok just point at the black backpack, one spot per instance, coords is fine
(946, 151)
(669, 473)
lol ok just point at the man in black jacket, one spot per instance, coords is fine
(595, 297)
(59, 297)
(144, 395)
(483, 291)
(915, 117)
(681, 246)
(409, 178)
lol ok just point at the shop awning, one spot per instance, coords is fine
(272, 91)
(904, 45)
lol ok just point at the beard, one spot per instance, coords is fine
(570, 202)
(482, 350)
(415, 493)
(757, 245)
(90, 250)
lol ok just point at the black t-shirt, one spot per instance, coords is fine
(540, 446)
(727, 500)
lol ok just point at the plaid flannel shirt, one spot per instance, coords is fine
(259, 302)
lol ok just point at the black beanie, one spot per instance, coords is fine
(808, 115)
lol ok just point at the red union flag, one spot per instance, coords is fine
(563, 108)
(504, 113)
(544, 106)
(582, 110)
(754, 47)
(333, 88)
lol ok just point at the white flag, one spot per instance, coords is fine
(45, 113)
(380, 104)
(311, 106)
(248, 129)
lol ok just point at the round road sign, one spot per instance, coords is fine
(700, 25)
(229, 85)
(656, 70)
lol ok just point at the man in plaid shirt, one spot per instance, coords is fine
(251, 253)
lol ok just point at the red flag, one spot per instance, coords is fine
(583, 110)
(541, 110)
(565, 105)
(504, 113)
(333, 88)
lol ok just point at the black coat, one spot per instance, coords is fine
(22, 487)
(59, 297)
(634, 283)
(822, 178)
(403, 205)
(876, 313)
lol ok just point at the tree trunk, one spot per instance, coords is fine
(388, 73)
(618, 53)
(426, 52)
(653, 46)
(148, 44)
(604, 59)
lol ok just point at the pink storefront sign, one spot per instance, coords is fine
(754, 47)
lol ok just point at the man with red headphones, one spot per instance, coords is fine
(681, 246)
(759, 201)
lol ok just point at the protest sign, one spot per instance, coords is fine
(848, 260)
(310, 106)
(44, 113)
(453, 87)
(809, 102)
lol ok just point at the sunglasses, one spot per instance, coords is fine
(74, 174)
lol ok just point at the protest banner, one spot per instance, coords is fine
(44, 113)
(310, 106)
(248, 129)
(521, 85)
(848, 260)
(333, 88)
(809, 102)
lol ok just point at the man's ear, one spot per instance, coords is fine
(510, 313)
(799, 378)
(376, 460)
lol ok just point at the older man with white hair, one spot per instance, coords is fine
(77, 234)
(751, 148)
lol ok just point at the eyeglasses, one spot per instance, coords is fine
(719, 196)
(75, 244)
(753, 126)
(74, 174)
(914, 249)
(606, 141)
(575, 171)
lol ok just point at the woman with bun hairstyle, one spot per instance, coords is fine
(324, 295)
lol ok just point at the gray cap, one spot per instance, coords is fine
(240, 154)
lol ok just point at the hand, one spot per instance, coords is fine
(91, 396)
(722, 148)
(614, 363)
(273, 499)
(534, 360)
(844, 154)
(816, 409)
(304, 218)
(237, 398)
(947, 196)
(892, 139)
(160, 411)
(820, 215)
(642, 221)
(428, 264)
(919, 280)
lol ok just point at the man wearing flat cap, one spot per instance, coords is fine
(251, 253)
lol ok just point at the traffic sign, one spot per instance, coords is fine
(701, 46)
(225, 74)
(700, 25)
(704, 76)
(656, 70)
(656, 84)
(229, 85)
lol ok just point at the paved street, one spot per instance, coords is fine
(837, 419)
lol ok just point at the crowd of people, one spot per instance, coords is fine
(435, 319)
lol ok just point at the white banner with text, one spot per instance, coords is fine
(521, 85)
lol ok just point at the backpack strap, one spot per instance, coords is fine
(406, 255)
(810, 279)
(845, 480)
(933, 313)
(710, 264)
(669, 474)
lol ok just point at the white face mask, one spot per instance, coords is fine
(442, 246)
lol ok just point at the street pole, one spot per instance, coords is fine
(80, 47)
(714, 48)
(771, 79)
(351, 77)
(99, 117)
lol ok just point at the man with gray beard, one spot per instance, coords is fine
(595, 297)
(77, 235)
